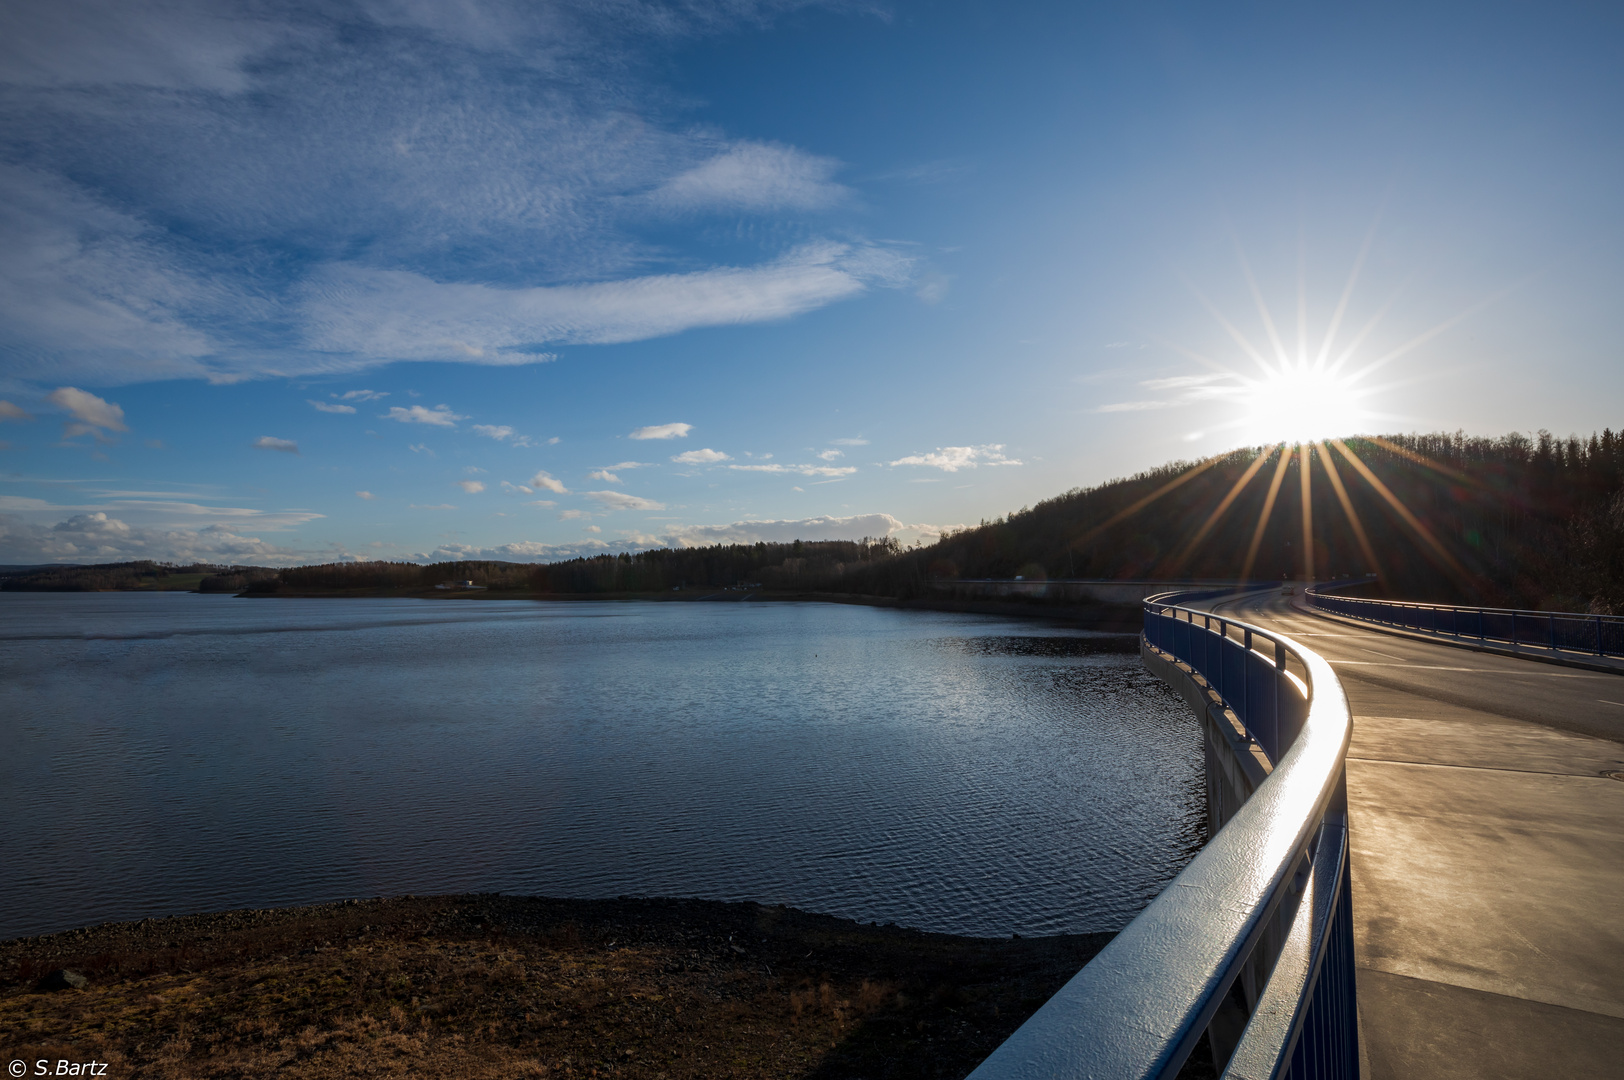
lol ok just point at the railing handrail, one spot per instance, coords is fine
(1139, 1008)
(1324, 589)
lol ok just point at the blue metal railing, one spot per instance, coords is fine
(1562, 631)
(1269, 894)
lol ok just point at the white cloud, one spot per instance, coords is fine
(849, 442)
(831, 455)
(662, 431)
(855, 527)
(8, 411)
(544, 479)
(381, 315)
(472, 487)
(1133, 406)
(420, 448)
(439, 416)
(361, 395)
(954, 458)
(754, 177)
(92, 412)
(605, 475)
(330, 407)
(706, 456)
(494, 431)
(271, 442)
(545, 503)
(517, 489)
(629, 465)
(799, 470)
(365, 495)
(534, 159)
(619, 500)
(531, 551)
(97, 537)
(1181, 382)
(574, 515)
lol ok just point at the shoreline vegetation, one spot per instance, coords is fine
(489, 985)
(1510, 522)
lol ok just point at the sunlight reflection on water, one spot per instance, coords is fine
(162, 754)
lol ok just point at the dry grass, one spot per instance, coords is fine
(496, 986)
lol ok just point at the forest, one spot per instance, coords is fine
(1511, 521)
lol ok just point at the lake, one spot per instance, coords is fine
(170, 753)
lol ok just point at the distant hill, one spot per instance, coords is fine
(1512, 521)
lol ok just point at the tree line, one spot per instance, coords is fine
(1512, 521)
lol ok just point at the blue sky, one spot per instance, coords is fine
(398, 279)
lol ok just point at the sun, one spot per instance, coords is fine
(1298, 403)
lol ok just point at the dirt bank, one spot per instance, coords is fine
(495, 986)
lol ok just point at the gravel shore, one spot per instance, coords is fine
(499, 986)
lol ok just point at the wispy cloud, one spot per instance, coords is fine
(361, 395)
(331, 407)
(271, 442)
(8, 411)
(856, 527)
(849, 442)
(706, 456)
(380, 315)
(662, 431)
(1133, 406)
(619, 500)
(439, 416)
(756, 177)
(954, 458)
(472, 487)
(365, 495)
(831, 455)
(799, 470)
(502, 433)
(119, 220)
(605, 475)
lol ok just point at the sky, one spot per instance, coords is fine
(436, 279)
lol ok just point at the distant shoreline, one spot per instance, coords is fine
(1109, 618)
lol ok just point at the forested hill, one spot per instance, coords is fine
(1510, 521)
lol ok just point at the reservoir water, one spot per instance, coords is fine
(169, 753)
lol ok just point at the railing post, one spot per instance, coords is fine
(1552, 621)
(1599, 651)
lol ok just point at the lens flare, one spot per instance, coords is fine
(1299, 404)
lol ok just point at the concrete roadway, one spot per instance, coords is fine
(1488, 854)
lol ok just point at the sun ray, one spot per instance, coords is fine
(1178, 561)
(1423, 460)
(1182, 478)
(1307, 488)
(1347, 293)
(1427, 335)
(1347, 508)
(1370, 325)
(1449, 561)
(1263, 518)
(1230, 328)
(1262, 308)
(1302, 291)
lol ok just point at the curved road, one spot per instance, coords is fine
(1488, 854)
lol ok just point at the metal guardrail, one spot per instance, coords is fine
(1267, 897)
(1561, 631)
